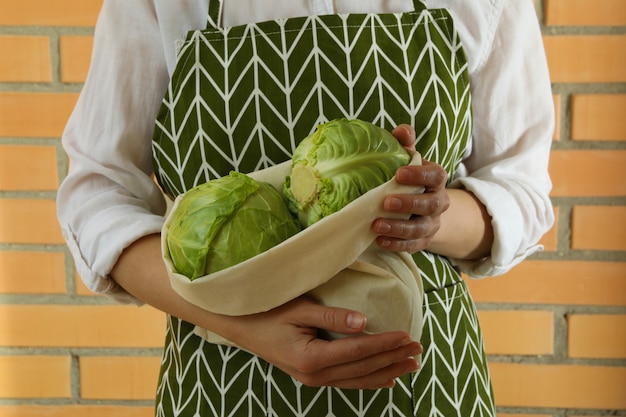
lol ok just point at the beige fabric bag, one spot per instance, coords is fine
(335, 262)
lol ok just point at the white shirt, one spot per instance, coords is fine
(109, 199)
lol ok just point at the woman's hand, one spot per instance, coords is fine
(425, 209)
(450, 222)
(288, 338)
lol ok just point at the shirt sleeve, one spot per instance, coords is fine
(109, 198)
(507, 168)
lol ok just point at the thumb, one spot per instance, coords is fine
(338, 320)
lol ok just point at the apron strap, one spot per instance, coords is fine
(215, 10)
(327, 6)
(321, 7)
(215, 14)
(419, 5)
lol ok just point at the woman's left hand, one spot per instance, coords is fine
(425, 209)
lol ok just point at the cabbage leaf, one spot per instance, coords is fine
(339, 162)
(224, 222)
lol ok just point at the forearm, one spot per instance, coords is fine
(285, 336)
(465, 231)
(141, 271)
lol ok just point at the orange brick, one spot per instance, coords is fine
(599, 227)
(597, 336)
(556, 282)
(34, 377)
(588, 173)
(35, 114)
(585, 13)
(557, 117)
(78, 411)
(32, 273)
(520, 332)
(49, 13)
(523, 415)
(586, 58)
(24, 167)
(29, 221)
(599, 117)
(75, 58)
(558, 386)
(81, 326)
(119, 378)
(25, 59)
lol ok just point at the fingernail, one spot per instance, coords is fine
(416, 351)
(411, 368)
(403, 175)
(405, 341)
(393, 203)
(355, 321)
(384, 243)
(408, 130)
(383, 227)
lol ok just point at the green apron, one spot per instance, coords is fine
(240, 99)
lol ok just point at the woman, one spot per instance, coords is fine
(485, 130)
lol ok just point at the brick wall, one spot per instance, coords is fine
(555, 327)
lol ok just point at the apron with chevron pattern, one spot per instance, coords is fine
(240, 99)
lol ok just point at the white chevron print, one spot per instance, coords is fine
(241, 98)
(263, 106)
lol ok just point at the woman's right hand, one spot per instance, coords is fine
(288, 338)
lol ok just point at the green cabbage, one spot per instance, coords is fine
(339, 162)
(224, 222)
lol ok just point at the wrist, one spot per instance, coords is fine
(465, 231)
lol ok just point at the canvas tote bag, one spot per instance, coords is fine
(335, 262)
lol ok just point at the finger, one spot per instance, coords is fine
(375, 363)
(383, 378)
(333, 319)
(415, 228)
(356, 370)
(324, 354)
(428, 204)
(405, 135)
(402, 245)
(428, 175)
